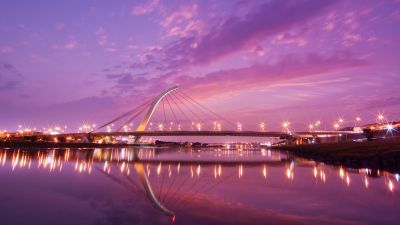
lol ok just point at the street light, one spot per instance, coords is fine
(357, 123)
(311, 127)
(380, 117)
(336, 126)
(285, 126)
(239, 126)
(389, 127)
(262, 126)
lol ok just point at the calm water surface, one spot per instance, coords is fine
(183, 186)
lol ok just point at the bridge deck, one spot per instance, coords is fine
(210, 133)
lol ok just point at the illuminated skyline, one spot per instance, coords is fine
(253, 61)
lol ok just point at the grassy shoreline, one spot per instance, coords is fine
(383, 154)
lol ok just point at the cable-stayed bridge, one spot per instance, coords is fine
(174, 113)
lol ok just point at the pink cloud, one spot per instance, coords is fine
(110, 49)
(237, 34)
(183, 30)
(71, 45)
(329, 26)
(103, 41)
(183, 13)
(258, 50)
(147, 47)
(350, 38)
(37, 59)
(350, 21)
(267, 75)
(101, 35)
(6, 49)
(60, 26)
(183, 22)
(396, 14)
(291, 38)
(146, 8)
(259, 76)
(372, 38)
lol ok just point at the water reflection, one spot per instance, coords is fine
(124, 160)
(172, 179)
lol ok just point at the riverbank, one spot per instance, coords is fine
(380, 154)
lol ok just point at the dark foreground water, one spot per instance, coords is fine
(172, 186)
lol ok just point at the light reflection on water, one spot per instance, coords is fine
(186, 184)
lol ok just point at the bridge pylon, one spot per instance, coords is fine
(143, 124)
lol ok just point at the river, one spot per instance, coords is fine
(189, 186)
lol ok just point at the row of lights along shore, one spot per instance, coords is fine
(197, 126)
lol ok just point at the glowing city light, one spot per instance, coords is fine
(380, 117)
(199, 127)
(336, 126)
(289, 173)
(391, 186)
(240, 171)
(389, 127)
(160, 127)
(239, 126)
(262, 126)
(285, 126)
(366, 182)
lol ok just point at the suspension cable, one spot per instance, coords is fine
(132, 118)
(165, 118)
(205, 108)
(124, 115)
(187, 107)
(179, 108)
(173, 113)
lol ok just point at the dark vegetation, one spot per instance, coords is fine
(379, 154)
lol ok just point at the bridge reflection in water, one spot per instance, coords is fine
(171, 179)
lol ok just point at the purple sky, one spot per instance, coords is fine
(67, 62)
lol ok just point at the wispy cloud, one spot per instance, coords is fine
(381, 103)
(59, 26)
(264, 75)
(195, 46)
(146, 8)
(183, 22)
(237, 34)
(10, 78)
(71, 45)
(258, 76)
(6, 49)
(35, 58)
